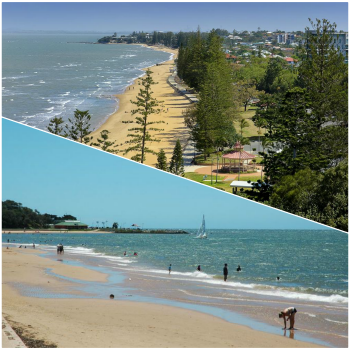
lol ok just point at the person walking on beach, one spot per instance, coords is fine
(225, 272)
(288, 314)
(169, 269)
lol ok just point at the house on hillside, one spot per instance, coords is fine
(230, 58)
(291, 61)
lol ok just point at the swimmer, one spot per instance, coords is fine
(111, 296)
(277, 278)
(135, 254)
(198, 267)
(239, 268)
(290, 314)
(124, 253)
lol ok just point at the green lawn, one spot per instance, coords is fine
(253, 178)
(251, 130)
(222, 185)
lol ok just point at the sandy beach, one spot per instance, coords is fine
(172, 107)
(84, 322)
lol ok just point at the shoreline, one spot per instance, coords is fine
(173, 104)
(112, 323)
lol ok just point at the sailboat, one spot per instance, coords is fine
(201, 232)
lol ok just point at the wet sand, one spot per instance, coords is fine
(84, 322)
(171, 114)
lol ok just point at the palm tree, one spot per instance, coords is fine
(243, 123)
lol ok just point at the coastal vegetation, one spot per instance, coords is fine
(161, 161)
(79, 128)
(177, 163)
(146, 106)
(104, 143)
(15, 215)
(55, 126)
(203, 66)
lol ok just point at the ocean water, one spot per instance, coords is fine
(48, 75)
(312, 265)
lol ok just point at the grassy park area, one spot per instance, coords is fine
(251, 130)
(221, 184)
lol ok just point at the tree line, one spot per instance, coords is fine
(169, 39)
(14, 215)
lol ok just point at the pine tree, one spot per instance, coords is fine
(194, 66)
(216, 110)
(146, 106)
(55, 128)
(177, 163)
(104, 143)
(80, 127)
(324, 74)
(161, 161)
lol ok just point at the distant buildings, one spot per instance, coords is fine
(285, 38)
(340, 42)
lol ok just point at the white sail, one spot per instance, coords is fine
(201, 232)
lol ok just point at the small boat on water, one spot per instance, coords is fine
(201, 232)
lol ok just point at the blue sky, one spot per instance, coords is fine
(173, 16)
(57, 176)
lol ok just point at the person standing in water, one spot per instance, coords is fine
(288, 313)
(225, 272)
(169, 269)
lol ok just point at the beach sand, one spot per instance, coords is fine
(173, 105)
(110, 323)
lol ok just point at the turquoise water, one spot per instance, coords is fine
(48, 75)
(312, 265)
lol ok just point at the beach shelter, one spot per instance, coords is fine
(238, 156)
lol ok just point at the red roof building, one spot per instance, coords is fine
(239, 155)
(230, 57)
(290, 60)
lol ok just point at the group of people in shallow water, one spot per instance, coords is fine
(287, 314)
(135, 254)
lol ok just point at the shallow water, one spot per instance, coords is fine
(323, 323)
(312, 265)
(48, 75)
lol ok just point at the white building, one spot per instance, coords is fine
(340, 42)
